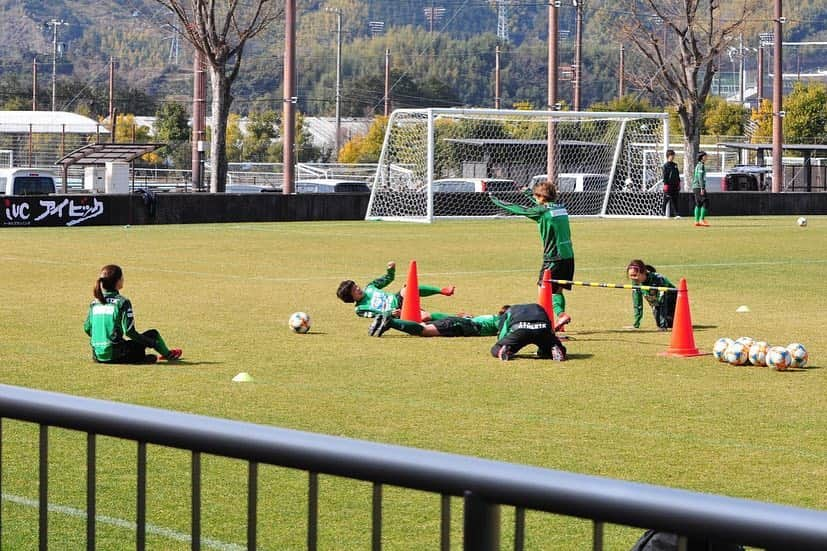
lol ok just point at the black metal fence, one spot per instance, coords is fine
(484, 485)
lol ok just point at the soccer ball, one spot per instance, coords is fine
(746, 341)
(736, 353)
(299, 322)
(798, 354)
(801, 221)
(778, 358)
(758, 353)
(719, 348)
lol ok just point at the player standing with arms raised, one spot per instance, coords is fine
(558, 254)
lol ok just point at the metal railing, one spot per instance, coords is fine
(484, 485)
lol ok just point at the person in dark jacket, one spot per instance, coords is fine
(524, 324)
(671, 185)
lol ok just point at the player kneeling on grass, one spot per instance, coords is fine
(524, 324)
(441, 325)
(662, 302)
(372, 301)
(110, 320)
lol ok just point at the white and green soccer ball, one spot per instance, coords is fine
(798, 355)
(758, 353)
(778, 358)
(719, 348)
(299, 322)
(736, 353)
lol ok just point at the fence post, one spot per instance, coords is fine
(481, 528)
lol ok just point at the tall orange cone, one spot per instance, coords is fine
(683, 340)
(544, 295)
(411, 308)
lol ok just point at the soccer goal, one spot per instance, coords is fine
(443, 163)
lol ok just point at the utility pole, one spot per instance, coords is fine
(553, 62)
(387, 82)
(497, 77)
(338, 13)
(34, 84)
(621, 91)
(54, 24)
(741, 69)
(777, 101)
(578, 51)
(289, 99)
(199, 120)
(112, 98)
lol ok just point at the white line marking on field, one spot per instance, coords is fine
(129, 525)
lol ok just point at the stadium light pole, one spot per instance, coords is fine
(338, 13)
(288, 135)
(553, 31)
(578, 51)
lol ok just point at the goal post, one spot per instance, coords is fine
(443, 163)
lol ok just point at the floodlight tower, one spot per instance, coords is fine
(502, 20)
(54, 24)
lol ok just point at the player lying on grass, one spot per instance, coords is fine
(662, 302)
(442, 325)
(558, 254)
(110, 320)
(524, 324)
(372, 301)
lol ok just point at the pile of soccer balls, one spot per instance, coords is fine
(745, 350)
(299, 322)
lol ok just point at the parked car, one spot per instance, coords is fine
(330, 185)
(250, 188)
(27, 181)
(577, 181)
(478, 185)
(747, 178)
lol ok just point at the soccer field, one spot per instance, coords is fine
(224, 292)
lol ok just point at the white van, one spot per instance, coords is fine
(27, 181)
(576, 181)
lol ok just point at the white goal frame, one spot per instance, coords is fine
(403, 189)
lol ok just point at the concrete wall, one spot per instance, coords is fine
(191, 208)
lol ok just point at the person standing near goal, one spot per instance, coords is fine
(699, 189)
(671, 185)
(558, 253)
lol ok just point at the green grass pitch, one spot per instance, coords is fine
(617, 408)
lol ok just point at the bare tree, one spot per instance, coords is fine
(220, 29)
(679, 44)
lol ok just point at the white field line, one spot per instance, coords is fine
(126, 524)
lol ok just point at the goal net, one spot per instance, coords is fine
(440, 163)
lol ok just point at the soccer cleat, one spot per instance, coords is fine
(150, 359)
(505, 353)
(562, 320)
(375, 325)
(448, 291)
(698, 225)
(174, 354)
(558, 354)
(384, 326)
(704, 223)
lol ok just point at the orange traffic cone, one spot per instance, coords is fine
(683, 340)
(411, 309)
(544, 295)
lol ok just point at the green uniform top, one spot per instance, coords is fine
(108, 323)
(376, 302)
(699, 176)
(553, 221)
(652, 296)
(487, 324)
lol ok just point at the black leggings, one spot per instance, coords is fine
(132, 351)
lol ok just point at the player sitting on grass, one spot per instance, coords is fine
(441, 325)
(110, 320)
(524, 324)
(662, 302)
(372, 301)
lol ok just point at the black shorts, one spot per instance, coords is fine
(456, 327)
(560, 269)
(700, 200)
(520, 338)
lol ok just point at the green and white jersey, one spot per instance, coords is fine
(487, 324)
(699, 176)
(553, 221)
(108, 323)
(377, 302)
(652, 296)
